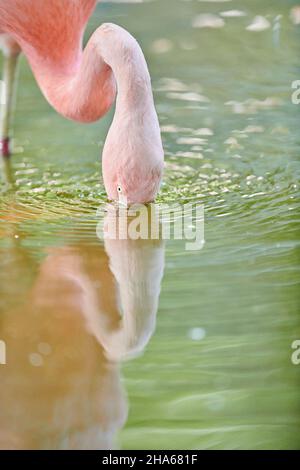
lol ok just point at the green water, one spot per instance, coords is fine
(216, 372)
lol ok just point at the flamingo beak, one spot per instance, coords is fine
(122, 201)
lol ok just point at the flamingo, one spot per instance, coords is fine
(83, 85)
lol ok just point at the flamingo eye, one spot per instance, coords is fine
(119, 189)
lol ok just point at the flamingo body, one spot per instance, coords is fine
(82, 85)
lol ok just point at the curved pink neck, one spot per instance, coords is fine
(82, 90)
(78, 84)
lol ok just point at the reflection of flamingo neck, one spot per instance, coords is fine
(138, 269)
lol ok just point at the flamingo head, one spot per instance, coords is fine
(128, 184)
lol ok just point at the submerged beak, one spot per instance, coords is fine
(122, 201)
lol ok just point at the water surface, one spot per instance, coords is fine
(209, 367)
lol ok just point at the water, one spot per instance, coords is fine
(212, 369)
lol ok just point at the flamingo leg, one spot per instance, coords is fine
(7, 94)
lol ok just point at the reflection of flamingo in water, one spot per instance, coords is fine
(61, 386)
(82, 85)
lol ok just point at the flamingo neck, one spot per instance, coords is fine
(124, 56)
(133, 84)
(82, 89)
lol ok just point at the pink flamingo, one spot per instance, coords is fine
(82, 85)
